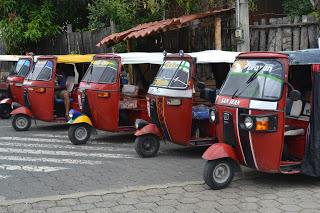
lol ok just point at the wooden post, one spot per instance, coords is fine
(217, 33)
(69, 31)
(296, 34)
(272, 36)
(254, 38)
(279, 36)
(263, 38)
(243, 19)
(286, 35)
(304, 41)
(130, 68)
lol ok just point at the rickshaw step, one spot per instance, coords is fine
(292, 167)
(203, 142)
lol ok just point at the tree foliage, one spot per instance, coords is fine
(297, 7)
(26, 22)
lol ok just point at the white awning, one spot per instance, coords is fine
(141, 58)
(214, 56)
(10, 57)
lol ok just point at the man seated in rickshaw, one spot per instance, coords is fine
(61, 91)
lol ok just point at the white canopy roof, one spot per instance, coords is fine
(9, 57)
(141, 58)
(214, 56)
(203, 57)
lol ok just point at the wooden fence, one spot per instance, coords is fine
(74, 42)
(285, 33)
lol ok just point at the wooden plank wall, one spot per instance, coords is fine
(74, 42)
(285, 34)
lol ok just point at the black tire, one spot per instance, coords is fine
(211, 170)
(5, 111)
(147, 146)
(21, 122)
(79, 134)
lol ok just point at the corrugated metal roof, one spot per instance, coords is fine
(151, 28)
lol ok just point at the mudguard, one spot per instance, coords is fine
(22, 110)
(220, 150)
(81, 119)
(149, 129)
(6, 101)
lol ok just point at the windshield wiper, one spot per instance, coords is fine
(248, 82)
(175, 72)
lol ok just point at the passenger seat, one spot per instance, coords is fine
(293, 109)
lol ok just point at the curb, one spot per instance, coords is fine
(242, 176)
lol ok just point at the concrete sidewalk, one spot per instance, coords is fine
(266, 193)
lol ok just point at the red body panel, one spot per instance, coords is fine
(149, 129)
(16, 89)
(220, 150)
(22, 110)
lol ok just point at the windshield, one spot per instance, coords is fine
(173, 74)
(266, 84)
(22, 67)
(102, 71)
(42, 71)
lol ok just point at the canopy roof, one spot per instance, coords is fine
(304, 57)
(203, 57)
(70, 59)
(10, 57)
(214, 56)
(152, 28)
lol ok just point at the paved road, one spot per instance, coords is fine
(264, 194)
(43, 162)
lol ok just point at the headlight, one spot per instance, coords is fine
(136, 124)
(212, 116)
(70, 114)
(248, 123)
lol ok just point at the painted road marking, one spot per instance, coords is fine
(30, 168)
(51, 160)
(66, 153)
(54, 140)
(50, 135)
(4, 177)
(65, 146)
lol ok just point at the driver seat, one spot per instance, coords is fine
(293, 109)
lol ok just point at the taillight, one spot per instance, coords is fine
(38, 89)
(103, 94)
(174, 102)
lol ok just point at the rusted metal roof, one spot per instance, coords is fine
(151, 28)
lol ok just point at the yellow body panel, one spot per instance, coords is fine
(82, 119)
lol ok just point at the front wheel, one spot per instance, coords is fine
(5, 110)
(147, 146)
(79, 134)
(218, 173)
(21, 122)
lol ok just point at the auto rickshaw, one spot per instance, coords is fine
(112, 98)
(178, 112)
(267, 117)
(14, 81)
(40, 101)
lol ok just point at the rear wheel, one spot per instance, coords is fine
(5, 110)
(218, 173)
(147, 146)
(79, 134)
(21, 122)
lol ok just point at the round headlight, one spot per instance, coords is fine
(248, 122)
(212, 116)
(70, 114)
(136, 124)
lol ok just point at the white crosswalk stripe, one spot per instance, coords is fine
(55, 146)
(31, 168)
(51, 160)
(51, 153)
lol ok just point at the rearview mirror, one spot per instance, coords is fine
(295, 95)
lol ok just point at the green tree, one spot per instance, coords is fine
(297, 7)
(23, 23)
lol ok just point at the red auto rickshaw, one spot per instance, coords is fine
(112, 98)
(39, 89)
(178, 112)
(267, 117)
(15, 80)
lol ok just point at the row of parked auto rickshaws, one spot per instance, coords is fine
(262, 114)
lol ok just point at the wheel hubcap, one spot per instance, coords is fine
(21, 122)
(221, 173)
(148, 146)
(81, 133)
